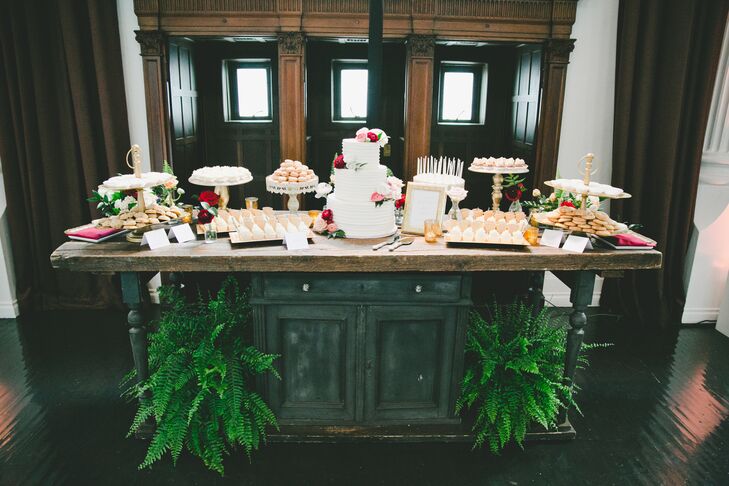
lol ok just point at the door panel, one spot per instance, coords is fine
(409, 363)
(317, 363)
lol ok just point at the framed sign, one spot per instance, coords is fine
(422, 201)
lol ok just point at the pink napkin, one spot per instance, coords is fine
(628, 239)
(93, 233)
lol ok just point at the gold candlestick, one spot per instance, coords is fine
(496, 194)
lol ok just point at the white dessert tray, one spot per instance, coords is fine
(235, 239)
(291, 187)
(500, 170)
(555, 185)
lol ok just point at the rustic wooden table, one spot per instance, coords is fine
(137, 265)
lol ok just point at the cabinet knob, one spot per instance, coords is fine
(305, 287)
(418, 288)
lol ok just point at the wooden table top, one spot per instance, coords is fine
(337, 255)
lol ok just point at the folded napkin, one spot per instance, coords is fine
(93, 233)
(628, 239)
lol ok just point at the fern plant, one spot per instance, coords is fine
(201, 379)
(514, 374)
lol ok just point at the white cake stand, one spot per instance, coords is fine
(291, 189)
(138, 181)
(221, 187)
(498, 179)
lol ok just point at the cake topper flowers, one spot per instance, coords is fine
(325, 225)
(374, 135)
(391, 190)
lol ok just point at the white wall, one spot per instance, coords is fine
(587, 120)
(707, 261)
(8, 301)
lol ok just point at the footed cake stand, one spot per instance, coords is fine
(221, 187)
(292, 190)
(498, 180)
(138, 181)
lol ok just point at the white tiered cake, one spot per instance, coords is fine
(355, 212)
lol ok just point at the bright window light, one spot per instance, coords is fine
(353, 95)
(252, 84)
(457, 102)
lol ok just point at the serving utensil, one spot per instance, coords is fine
(402, 242)
(395, 239)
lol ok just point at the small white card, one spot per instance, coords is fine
(155, 239)
(181, 233)
(575, 244)
(551, 238)
(296, 241)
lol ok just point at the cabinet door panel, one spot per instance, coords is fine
(409, 363)
(317, 363)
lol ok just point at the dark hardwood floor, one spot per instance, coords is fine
(655, 405)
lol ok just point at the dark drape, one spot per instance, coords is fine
(63, 130)
(667, 57)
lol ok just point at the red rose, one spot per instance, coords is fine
(209, 197)
(372, 136)
(512, 193)
(327, 215)
(400, 202)
(339, 162)
(568, 204)
(204, 216)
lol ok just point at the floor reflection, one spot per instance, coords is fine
(655, 404)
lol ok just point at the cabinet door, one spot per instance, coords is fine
(317, 363)
(409, 363)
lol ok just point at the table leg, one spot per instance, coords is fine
(581, 284)
(535, 295)
(134, 291)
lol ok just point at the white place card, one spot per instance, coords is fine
(296, 241)
(181, 233)
(155, 239)
(551, 238)
(576, 244)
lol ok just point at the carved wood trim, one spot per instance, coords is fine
(292, 113)
(554, 76)
(418, 100)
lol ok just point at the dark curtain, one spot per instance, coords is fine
(667, 57)
(63, 130)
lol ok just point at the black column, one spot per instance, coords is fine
(374, 65)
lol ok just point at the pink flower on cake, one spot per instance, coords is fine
(319, 225)
(332, 228)
(377, 197)
(361, 135)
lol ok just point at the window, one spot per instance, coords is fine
(462, 93)
(349, 91)
(248, 90)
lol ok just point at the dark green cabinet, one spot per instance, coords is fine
(362, 348)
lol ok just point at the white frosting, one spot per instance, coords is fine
(354, 212)
(220, 175)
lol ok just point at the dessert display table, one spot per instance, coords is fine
(370, 340)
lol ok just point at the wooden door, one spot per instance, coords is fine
(525, 102)
(183, 109)
(409, 363)
(317, 363)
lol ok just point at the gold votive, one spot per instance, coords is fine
(187, 217)
(430, 230)
(532, 235)
(252, 202)
(314, 213)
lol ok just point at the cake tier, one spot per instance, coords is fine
(440, 180)
(363, 219)
(367, 153)
(358, 185)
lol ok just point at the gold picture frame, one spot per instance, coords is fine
(422, 201)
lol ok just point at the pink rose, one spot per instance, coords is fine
(361, 134)
(319, 225)
(376, 197)
(332, 228)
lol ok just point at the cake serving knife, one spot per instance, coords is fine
(385, 243)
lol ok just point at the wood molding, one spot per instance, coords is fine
(418, 100)
(153, 52)
(514, 20)
(292, 112)
(554, 76)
